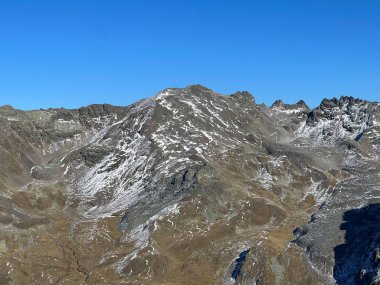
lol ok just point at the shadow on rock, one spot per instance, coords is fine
(357, 261)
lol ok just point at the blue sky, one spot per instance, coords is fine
(74, 53)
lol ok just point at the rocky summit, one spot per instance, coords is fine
(191, 187)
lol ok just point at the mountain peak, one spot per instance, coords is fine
(244, 96)
(281, 105)
(302, 103)
(277, 103)
(197, 88)
(7, 107)
(341, 102)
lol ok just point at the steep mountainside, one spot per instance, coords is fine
(191, 187)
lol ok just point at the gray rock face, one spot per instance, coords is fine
(340, 119)
(174, 189)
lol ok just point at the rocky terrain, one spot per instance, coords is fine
(191, 187)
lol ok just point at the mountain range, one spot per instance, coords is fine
(191, 187)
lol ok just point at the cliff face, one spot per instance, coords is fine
(190, 187)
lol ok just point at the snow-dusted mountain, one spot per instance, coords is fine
(191, 187)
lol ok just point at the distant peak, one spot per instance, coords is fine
(7, 107)
(197, 88)
(350, 100)
(329, 103)
(279, 104)
(244, 96)
(302, 103)
(342, 101)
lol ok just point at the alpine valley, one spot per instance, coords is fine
(191, 187)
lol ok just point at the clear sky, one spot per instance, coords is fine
(72, 53)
